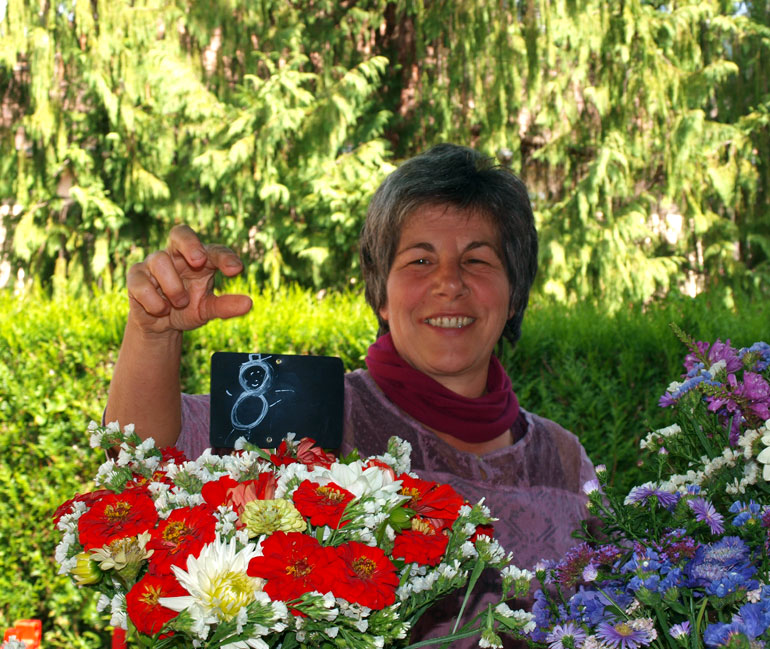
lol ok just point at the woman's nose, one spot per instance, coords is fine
(449, 280)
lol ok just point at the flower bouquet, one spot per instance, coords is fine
(285, 548)
(681, 560)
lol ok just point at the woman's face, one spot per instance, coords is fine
(448, 296)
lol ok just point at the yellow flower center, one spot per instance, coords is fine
(420, 525)
(330, 495)
(174, 531)
(413, 493)
(151, 595)
(229, 592)
(364, 567)
(299, 569)
(623, 629)
(117, 512)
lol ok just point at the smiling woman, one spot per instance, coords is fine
(448, 255)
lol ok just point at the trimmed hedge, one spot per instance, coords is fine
(599, 375)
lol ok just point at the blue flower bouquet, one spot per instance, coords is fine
(680, 561)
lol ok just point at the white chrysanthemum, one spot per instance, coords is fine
(361, 482)
(217, 582)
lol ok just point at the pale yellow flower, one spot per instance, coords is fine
(125, 555)
(268, 516)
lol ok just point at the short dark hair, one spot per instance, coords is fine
(448, 174)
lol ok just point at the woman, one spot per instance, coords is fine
(448, 255)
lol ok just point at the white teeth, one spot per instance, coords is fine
(447, 322)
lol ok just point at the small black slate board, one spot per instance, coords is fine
(263, 397)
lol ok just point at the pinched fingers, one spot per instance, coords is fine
(186, 249)
(224, 259)
(164, 276)
(225, 306)
(183, 242)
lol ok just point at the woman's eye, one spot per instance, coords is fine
(421, 261)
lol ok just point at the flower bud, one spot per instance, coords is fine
(86, 571)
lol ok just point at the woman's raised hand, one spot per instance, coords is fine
(173, 289)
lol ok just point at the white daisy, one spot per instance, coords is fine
(217, 582)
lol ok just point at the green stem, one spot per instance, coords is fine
(477, 570)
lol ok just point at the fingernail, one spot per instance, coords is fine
(197, 255)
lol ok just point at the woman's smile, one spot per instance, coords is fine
(448, 296)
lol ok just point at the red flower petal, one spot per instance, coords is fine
(115, 516)
(142, 603)
(293, 564)
(416, 547)
(183, 533)
(370, 578)
(437, 502)
(323, 505)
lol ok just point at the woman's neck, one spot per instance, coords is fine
(477, 448)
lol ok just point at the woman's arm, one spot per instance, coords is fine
(169, 292)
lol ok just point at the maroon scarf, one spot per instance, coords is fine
(470, 420)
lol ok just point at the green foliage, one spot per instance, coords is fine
(642, 129)
(599, 375)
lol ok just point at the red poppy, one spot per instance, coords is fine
(88, 498)
(370, 578)
(227, 491)
(438, 503)
(293, 564)
(323, 505)
(418, 547)
(183, 533)
(115, 516)
(142, 603)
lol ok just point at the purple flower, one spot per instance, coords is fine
(569, 570)
(643, 493)
(704, 511)
(623, 636)
(724, 352)
(680, 630)
(570, 633)
(694, 358)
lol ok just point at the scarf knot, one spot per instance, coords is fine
(479, 419)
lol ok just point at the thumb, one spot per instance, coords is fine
(227, 306)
